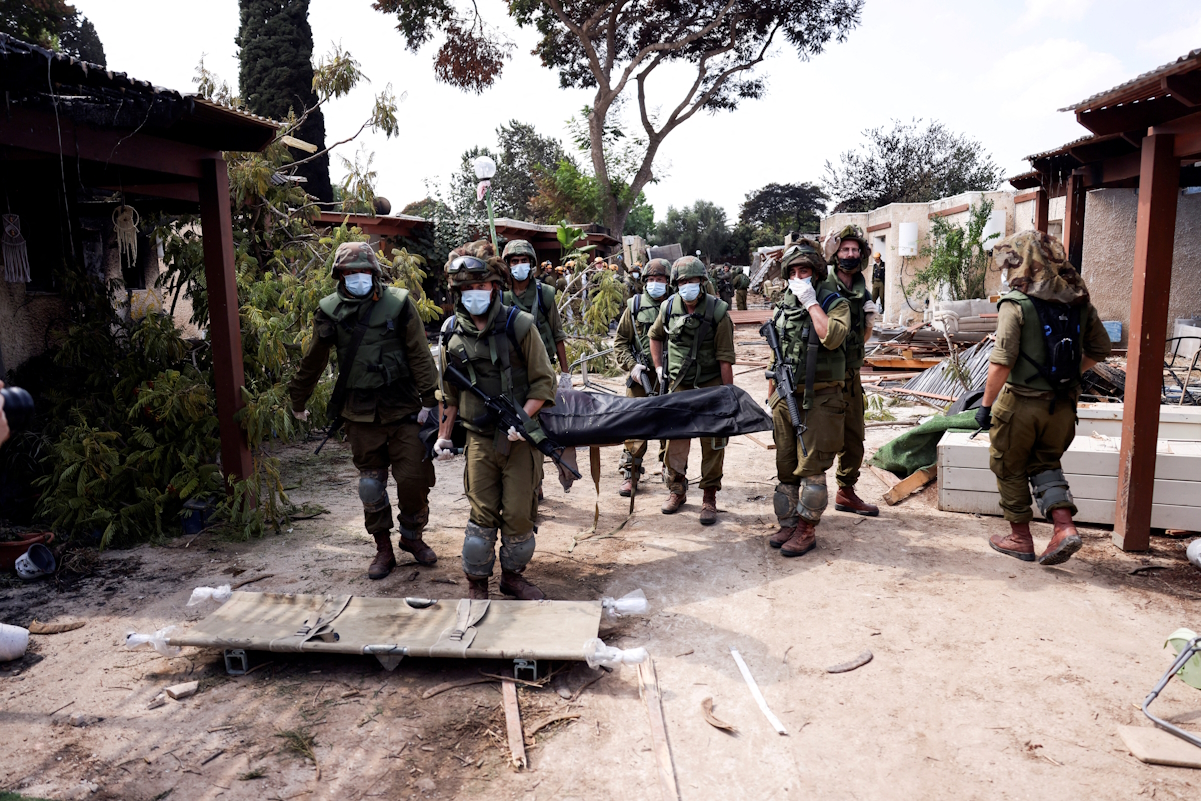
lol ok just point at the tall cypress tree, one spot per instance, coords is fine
(275, 51)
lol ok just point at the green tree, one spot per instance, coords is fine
(53, 24)
(275, 77)
(958, 260)
(909, 164)
(785, 207)
(616, 45)
(701, 226)
(522, 154)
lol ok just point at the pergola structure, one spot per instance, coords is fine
(88, 128)
(1146, 133)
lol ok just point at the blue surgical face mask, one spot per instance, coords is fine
(656, 289)
(690, 292)
(521, 271)
(477, 301)
(359, 284)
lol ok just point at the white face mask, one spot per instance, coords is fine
(797, 285)
(359, 284)
(520, 271)
(477, 301)
(690, 292)
(656, 289)
(636, 274)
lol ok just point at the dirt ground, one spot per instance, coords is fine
(991, 678)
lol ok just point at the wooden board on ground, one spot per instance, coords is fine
(1158, 747)
(771, 446)
(648, 688)
(749, 316)
(911, 484)
(887, 478)
(508, 691)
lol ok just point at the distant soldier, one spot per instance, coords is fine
(692, 345)
(635, 280)
(878, 276)
(499, 347)
(557, 274)
(633, 347)
(725, 284)
(388, 381)
(742, 283)
(847, 252)
(1048, 335)
(810, 315)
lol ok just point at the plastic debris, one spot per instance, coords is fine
(13, 642)
(632, 603)
(1190, 674)
(201, 594)
(1194, 553)
(598, 654)
(158, 641)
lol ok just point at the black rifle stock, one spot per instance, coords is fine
(785, 382)
(645, 379)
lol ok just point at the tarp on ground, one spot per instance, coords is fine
(918, 448)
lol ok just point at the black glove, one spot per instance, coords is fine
(984, 417)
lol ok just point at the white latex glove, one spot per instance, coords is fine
(424, 415)
(301, 416)
(444, 450)
(565, 381)
(807, 296)
(870, 308)
(515, 435)
(636, 373)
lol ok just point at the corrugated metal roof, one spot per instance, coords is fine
(1146, 84)
(941, 379)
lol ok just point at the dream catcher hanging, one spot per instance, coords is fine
(16, 256)
(125, 223)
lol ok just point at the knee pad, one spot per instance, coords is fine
(785, 502)
(1050, 488)
(373, 489)
(517, 551)
(479, 550)
(629, 464)
(814, 498)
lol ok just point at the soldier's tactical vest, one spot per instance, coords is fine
(1033, 346)
(643, 311)
(482, 356)
(545, 297)
(858, 296)
(692, 359)
(792, 324)
(380, 361)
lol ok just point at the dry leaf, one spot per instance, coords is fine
(712, 720)
(53, 628)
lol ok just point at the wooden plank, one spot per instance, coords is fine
(648, 688)
(948, 212)
(884, 226)
(760, 443)
(1042, 212)
(1155, 233)
(749, 316)
(894, 363)
(508, 691)
(1073, 220)
(1025, 197)
(907, 486)
(1158, 747)
(888, 479)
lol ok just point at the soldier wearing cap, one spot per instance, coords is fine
(633, 348)
(1048, 335)
(878, 277)
(557, 274)
(389, 380)
(498, 346)
(692, 345)
(847, 252)
(811, 321)
(742, 283)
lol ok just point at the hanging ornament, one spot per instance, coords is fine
(125, 222)
(16, 256)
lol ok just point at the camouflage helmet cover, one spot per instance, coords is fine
(482, 250)
(689, 267)
(804, 252)
(1039, 262)
(657, 267)
(519, 247)
(834, 241)
(356, 256)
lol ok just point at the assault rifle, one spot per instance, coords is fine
(645, 378)
(508, 415)
(785, 382)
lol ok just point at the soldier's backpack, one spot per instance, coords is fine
(1062, 340)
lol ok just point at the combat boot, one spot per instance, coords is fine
(1017, 543)
(709, 508)
(847, 501)
(673, 503)
(627, 488)
(514, 584)
(802, 541)
(783, 534)
(477, 587)
(423, 553)
(1064, 542)
(385, 558)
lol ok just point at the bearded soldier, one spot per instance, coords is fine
(847, 252)
(692, 345)
(499, 348)
(742, 283)
(633, 348)
(1048, 335)
(387, 380)
(811, 322)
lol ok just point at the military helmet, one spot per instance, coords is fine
(356, 256)
(689, 267)
(834, 241)
(806, 252)
(475, 262)
(519, 247)
(657, 267)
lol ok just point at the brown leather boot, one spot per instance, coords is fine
(802, 541)
(477, 587)
(847, 501)
(385, 558)
(673, 503)
(783, 534)
(627, 488)
(1017, 543)
(423, 553)
(709, 508)
(1064, 542)
(514, 584)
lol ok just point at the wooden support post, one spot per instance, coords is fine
(516, 734)
(1042, 211)
(1073, 220)
(225, 333)
(1159, 184)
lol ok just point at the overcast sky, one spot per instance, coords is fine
(996, 70)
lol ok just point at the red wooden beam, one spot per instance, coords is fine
(1159, 185)
(1042, 212)
(948, 212)
(1131, 116)
(1073, 219)
(879, 227)
(225, 332)
(1026, 197)
(183, 191)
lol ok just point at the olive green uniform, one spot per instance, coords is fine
(850, 458)
(392, 377)
(633, 338)
(878, 276)
(545, 314)
(499, 476)
(741, 284)
(677, 329)
(1030, 427)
